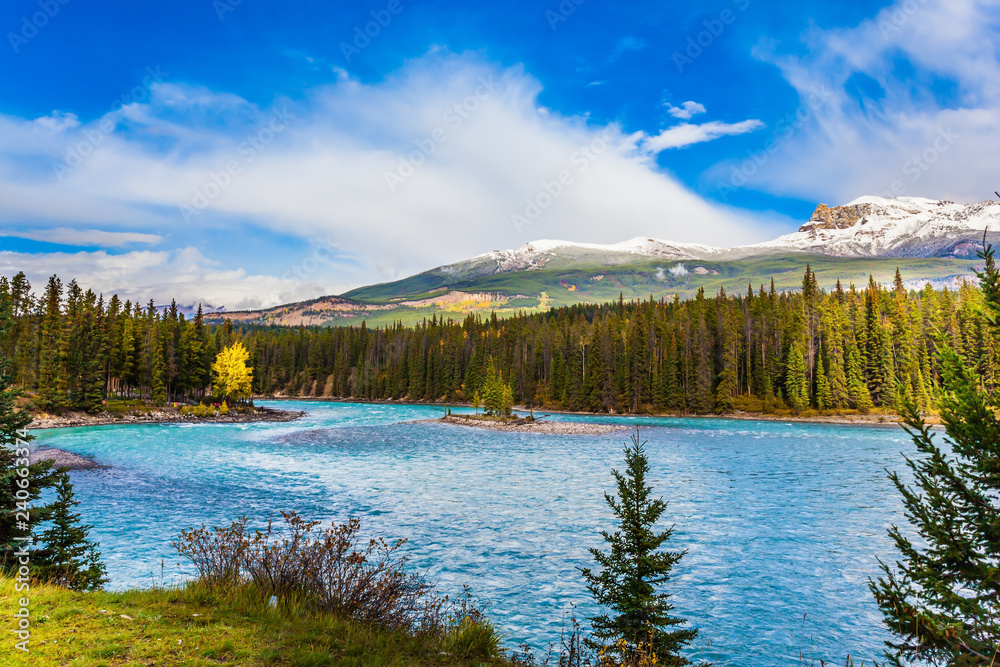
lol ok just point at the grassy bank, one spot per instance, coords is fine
(193, 625)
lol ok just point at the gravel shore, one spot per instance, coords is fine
(163, 416)
(528, 426)
(63, 459)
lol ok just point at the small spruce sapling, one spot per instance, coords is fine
(633, 573)
(70, 558)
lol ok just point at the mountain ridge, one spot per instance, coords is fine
(865, 227)
(929, 240)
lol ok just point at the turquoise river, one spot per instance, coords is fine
(783, 522)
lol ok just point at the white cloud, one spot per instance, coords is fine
(324, 174)
(687, 134)
(185, 275)
(687, 110)
(912, 107)
(84, 237)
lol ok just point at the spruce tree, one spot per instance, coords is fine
(728, 378)
(941, 601)
(796, 383)
(53, 381)
(633, 573)
(69, 558)
(824, 396)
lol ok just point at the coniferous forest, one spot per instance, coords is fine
(852, 348)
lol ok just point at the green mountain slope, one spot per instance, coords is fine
(446, 293)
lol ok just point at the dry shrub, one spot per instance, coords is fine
(336, 571)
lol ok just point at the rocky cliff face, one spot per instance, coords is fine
(838, 217)
(865, 227)
(900, 227)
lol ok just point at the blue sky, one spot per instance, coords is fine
(245, 153)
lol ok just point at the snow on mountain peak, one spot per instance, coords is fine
(865, 227)
(903, 226)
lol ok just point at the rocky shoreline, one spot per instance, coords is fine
(531, 426)
(159, 416)
(873, 419)
(63, 459)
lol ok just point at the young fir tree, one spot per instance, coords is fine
(497, 396)
(942, 598)
(633, 574)
(69, 558)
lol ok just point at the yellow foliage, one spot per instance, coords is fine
(231, 377)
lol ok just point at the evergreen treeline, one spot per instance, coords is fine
(74, 349)
(847, 349)
(63, 553)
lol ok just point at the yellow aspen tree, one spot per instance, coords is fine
(232, 378)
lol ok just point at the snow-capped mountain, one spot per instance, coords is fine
(901, 227)
(866, 227)
(537, 254)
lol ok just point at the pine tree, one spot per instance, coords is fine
(18, 517)
(69, 558)
(824, 396)
(53, 381)
(158, 381)
(834, 342)
(702, 399)
(796, 383)
(633, 573)
(861, 400)
(498, 397)
(728, 377)
(942, 600)
(897, 284)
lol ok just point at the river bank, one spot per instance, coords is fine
(845, 418)
(165, 415)
(528, 425)
(196, 625)
(63, 459)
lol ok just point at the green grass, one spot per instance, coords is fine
(118, 406)
(193, 625)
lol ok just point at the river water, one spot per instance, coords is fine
(783, 522)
